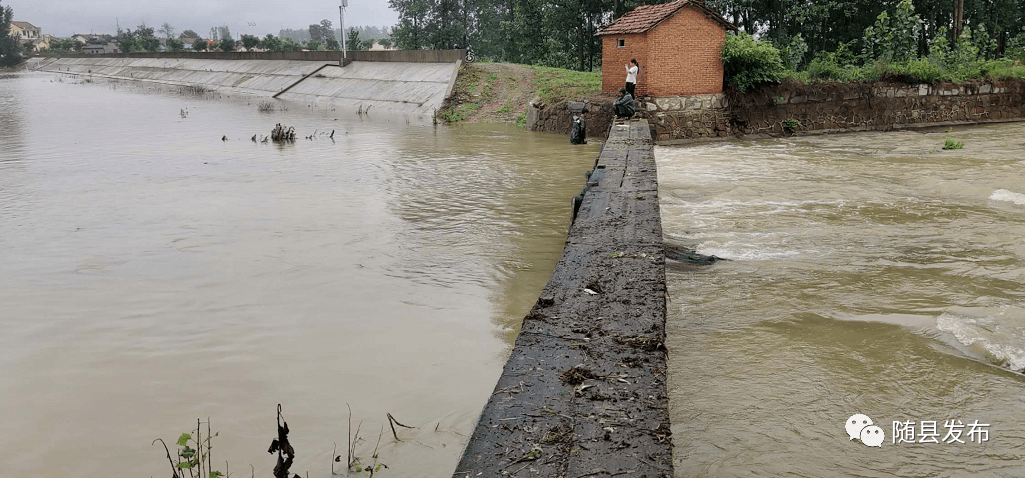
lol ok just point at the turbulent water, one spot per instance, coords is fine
(157, 266)
(869, 273)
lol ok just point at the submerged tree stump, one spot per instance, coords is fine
(281, 134)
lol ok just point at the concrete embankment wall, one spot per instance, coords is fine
(402, 56)
(398, 87)
(584, 390)
(817, 108)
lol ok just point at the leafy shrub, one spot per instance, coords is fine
(792, 51)
(1001, 69)
(951, 144)
(894, 38)
(839, 65)
(1015, 47)
(749, 63)
(919, 70)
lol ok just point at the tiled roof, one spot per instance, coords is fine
(646, 17)
(25, 25)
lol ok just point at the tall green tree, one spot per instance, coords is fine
(10, 54)
(353, 42)
(167, 30)
(250, 42)
(227, 44)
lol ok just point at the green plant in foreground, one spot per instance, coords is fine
(193, 454)
(459, 113)
(951, 144)
(791, 124)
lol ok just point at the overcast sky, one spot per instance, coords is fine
(63, 17)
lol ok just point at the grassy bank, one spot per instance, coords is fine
(501, 92)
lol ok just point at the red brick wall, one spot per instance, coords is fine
(684, 56)
(615, 59)
(678, 57)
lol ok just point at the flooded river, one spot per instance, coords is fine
(157, 266)
(869, 274)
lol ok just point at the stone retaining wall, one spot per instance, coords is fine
(556, 118)
(793, 108)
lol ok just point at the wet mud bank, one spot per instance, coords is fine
(584, 390)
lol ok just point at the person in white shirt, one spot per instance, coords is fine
(631, 77)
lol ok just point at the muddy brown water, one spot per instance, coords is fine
(152, 274)
(870, 273)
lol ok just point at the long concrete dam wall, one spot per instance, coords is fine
(584, 391)
(397, 87)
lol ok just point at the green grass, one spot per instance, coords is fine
(459, 114)
(952, 144)
(468, 82)
(521, 120)
(556, 84)
(505, 108)
(919, 70)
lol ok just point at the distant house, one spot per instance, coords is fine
(100, 47)
(188, 42)
(86, 38)
(677, 45)
(377, 46)
(28, 34)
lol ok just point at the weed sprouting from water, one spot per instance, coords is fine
(265, 107)
(952, 144)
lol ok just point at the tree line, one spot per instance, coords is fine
(10, 52)
(900, 44)
(806, 29)
(560, 33)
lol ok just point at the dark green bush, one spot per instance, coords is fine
(749, 63)
(919, 70)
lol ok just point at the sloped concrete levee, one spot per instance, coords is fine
(584, 390)
(399, 87)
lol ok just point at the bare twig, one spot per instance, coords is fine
(521, 469)
(174, 471)
(334, 458)
(353, 439)
(379, 435)
(392, 422)
(209, 448)
(199, 447)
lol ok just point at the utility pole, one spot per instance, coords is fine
(341, 24)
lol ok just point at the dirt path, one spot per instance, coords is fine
(490, 93)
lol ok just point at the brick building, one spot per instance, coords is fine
(677, 45)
